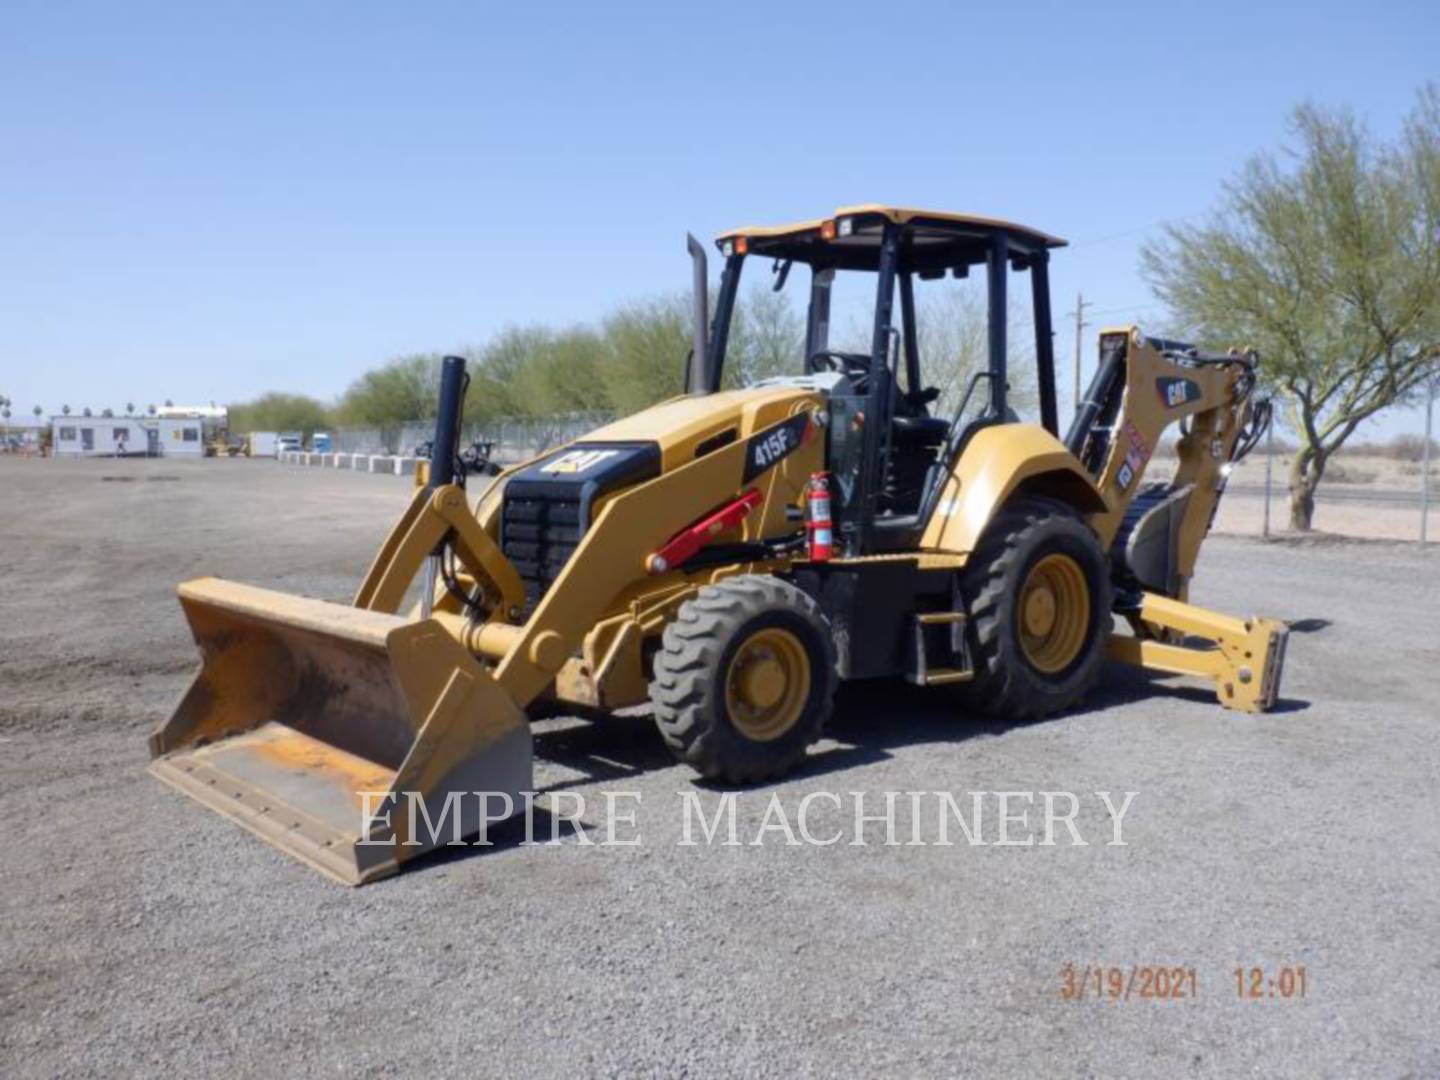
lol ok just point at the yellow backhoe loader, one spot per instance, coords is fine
(732, 553)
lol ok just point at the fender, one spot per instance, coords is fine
(999, 462)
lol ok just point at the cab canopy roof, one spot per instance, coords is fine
(849, 239)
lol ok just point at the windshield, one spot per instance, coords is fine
(769, 332)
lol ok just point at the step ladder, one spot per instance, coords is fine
(939, 655)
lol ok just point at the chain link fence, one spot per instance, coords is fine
(1376, 491)
(515, 440)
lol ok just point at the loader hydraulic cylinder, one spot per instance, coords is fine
(443, 450)
(447, 421)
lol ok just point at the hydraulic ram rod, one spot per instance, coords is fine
(453, 381)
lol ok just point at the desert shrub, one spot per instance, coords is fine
(1345, 473)
(1411, 448)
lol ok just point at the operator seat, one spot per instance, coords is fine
(915, 439)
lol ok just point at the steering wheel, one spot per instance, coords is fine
(854, 366)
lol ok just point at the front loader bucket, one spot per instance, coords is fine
(339, 734)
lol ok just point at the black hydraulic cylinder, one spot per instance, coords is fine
(447, 421)
(1101, 400)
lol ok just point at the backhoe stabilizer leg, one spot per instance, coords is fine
(1245, 657)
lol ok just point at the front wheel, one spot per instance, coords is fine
(1038, 596)
(744, 678)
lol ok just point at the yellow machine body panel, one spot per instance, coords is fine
(998, 462)
(682, 424)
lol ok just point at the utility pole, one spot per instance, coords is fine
(1080, 324)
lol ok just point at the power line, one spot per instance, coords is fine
(1136, 230)
(1128, 307)
(1025, 324)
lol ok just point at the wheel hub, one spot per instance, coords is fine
(1054, 613)
(767, 684)
(762, 683)
(1040, 611)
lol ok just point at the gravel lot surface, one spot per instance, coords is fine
(145, 934)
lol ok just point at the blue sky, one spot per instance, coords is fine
(205, 201)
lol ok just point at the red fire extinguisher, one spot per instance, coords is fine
(817, 518)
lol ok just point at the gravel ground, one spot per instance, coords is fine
(144, 934)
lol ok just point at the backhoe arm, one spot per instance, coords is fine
(1154, 530)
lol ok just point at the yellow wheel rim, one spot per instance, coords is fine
(1054, 613)
(767, 684)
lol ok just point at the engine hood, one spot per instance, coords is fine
(684, 427)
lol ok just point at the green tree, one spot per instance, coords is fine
(497, 384)
(278, 412)
(767, 337)
(400, 390)
(952, 329)
(1327, 260)
(565, 374)
(645, 346)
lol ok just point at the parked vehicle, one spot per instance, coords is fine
(476, 458)
(264, 443)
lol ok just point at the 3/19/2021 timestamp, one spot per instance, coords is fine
(1133, 982)
(1165, 982)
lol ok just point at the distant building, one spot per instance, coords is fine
(194, 412)
(127, 436)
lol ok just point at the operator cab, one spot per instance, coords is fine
(892, 437)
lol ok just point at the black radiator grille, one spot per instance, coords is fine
(539, 536)
(548, 505)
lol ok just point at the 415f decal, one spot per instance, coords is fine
(774, 443)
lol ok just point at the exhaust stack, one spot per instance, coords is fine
(697, 372)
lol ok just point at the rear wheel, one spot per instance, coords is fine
(744, 678)
(1038, 594)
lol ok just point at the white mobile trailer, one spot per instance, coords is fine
(126, 436)
(99, 436)
(264, 443)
